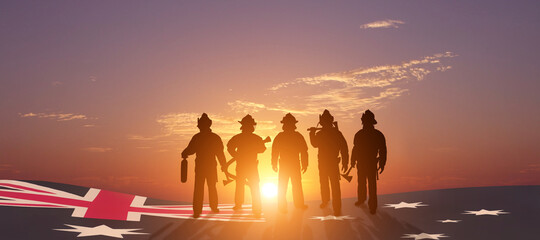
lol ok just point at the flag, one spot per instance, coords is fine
(45, 210)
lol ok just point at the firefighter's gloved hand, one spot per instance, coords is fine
(344, 168)
(381, 168)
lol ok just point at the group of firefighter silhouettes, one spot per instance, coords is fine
(289, 159)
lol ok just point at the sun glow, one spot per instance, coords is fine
(269, 190)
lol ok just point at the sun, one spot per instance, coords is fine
(269, 190)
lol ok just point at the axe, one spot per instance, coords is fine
(346, 174)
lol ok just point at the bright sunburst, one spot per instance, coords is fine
(269, 190)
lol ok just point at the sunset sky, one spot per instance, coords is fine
(106, 94)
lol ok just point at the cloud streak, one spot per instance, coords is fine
(97, 149)
(346, 94)
(184, 125)
(55, 116)
(8, 169)
(388, 23)
(350, 92)
(379, 76)
(531, 168)
(242, 106)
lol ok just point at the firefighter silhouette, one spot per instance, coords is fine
(244, 147)
(207, 146)
(330, 142)
(368, 151)
(289, 150)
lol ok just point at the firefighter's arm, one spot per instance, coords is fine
(221, 156)
(354, 152)
(304, 160)
(313, 139)
(303, 153)
(344, 149)
(382, 153)
(222, 160)
(231, 147)
(262, 147)
(275, 153)
(190, 149)
(354, 156)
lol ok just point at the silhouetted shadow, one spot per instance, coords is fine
(331, 145)
(208, 147)
(244, 148)
(369, 155)
(286, 149)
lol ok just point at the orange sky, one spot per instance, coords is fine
(107, 95)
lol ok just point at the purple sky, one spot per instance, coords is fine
(106, 93)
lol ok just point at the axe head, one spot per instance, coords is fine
(347, 177)
(227, 181)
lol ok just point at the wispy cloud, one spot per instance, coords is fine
(348, 102)
(388, 23)
(143, 147)
(246, 106)
(241, 106)
(347, 94)
(379, 76)
(8, 169)
(56, 116)
(531, 168)
(185, 125)
(97, 149)
(145, 138)
(350, 92)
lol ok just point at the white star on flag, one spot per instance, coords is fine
(486, 212)
(424, 236)
(406, 205)
(449, 221)
(332, 217)
(102, 230)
